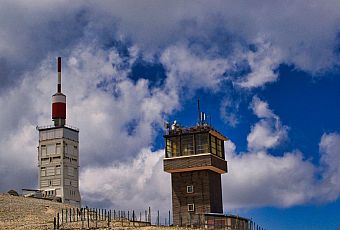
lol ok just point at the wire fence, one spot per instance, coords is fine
(91, 218)
(216, 221)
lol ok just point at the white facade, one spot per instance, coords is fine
(58, 157)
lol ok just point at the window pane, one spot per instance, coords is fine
(50, 149)
(213, 145)
(187, 145)
(202, 143)
(219, 148)
(172, 147)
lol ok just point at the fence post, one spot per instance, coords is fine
(88, 219)
(157, 217)
(150, 215)
(81, 218)
(96, 218)
(66, 215)
(133, 217)
(58, 220)
(121, 218)
(108, 218)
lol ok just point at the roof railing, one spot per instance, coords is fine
(53, 126)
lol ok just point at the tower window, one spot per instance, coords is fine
(202, 143)
(187, 145)
(213, 145)
(191, 207)
(219, 148)
(190, 189)
(172, 147)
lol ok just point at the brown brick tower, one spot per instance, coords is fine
(195, 158)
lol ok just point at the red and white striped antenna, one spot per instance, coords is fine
(59, 102)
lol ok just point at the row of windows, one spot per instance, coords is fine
(51, 171)
(191, 144)
(47, 183)
(58, 133)
(56, 149)
(57, 182)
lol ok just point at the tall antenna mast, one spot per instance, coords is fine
(59, 102)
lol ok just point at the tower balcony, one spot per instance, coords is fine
(204, 161)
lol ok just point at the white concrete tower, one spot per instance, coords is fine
(58, 154)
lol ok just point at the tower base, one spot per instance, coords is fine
(195, 193)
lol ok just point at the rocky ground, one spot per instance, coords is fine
(18, 212)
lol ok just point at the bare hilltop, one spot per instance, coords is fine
(17, 212)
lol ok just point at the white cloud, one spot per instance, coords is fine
(263, 62)
(330, 166)
(117, 117)
(268, 132)
(135, 185)
(258, 179)
(261, 109)
(187, 69)
(298, 34)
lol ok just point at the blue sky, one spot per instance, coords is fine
(267, 73)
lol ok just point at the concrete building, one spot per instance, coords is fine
(58, 154)
(195, 158)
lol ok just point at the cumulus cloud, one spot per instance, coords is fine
(197, 43)
(135, 185)
(186, 69)
(258, 179)
(262, 63)
(330, 166)
(268, 132)
(228, 111)
(306, 40)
